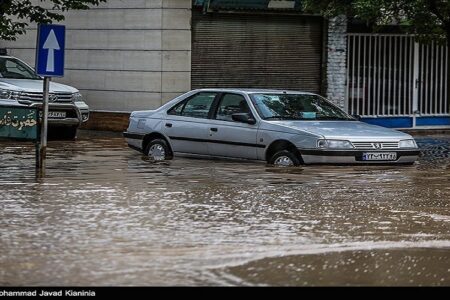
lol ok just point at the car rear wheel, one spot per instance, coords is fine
(158, 150)
(284, 158)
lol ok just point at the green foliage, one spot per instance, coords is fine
(429, 19)
(15, 15)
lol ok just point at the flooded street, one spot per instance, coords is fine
(104, 215)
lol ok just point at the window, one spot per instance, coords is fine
(177, 109)
(297, 107)
(15, 69)
(196, 107)
(231, 104)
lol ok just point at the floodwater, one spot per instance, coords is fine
(104, 215)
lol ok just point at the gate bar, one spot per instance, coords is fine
(395, 82)
(389, 78)
(415, 88)
(441, 68)
(446, 106)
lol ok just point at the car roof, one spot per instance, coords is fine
(253, 91)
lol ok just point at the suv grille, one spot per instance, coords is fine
(54, 97)
(375, 145)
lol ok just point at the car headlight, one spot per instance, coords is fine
(9, 94)
(334, 144)
(77, 97)
(407, 144)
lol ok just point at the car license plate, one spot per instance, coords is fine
(385, 156)
(57, 114)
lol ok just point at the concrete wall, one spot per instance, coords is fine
(337, 60)
(124, 55)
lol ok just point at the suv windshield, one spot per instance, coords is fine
(12, 68)
(297, 107)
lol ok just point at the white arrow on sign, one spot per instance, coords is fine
(51, 44)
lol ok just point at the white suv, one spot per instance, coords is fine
(19, 85)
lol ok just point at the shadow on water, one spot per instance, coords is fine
(105, 215)
(338, 267)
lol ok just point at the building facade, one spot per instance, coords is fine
(137, 55)
(123, 55)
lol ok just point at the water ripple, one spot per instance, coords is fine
(105, 215)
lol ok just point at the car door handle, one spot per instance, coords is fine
(213, 129)
(169, 125)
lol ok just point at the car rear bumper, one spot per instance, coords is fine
(134, 140)
(355, 157)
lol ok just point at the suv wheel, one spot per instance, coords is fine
(284, 158)
(158, 150)
(63, 133)
(70, 133)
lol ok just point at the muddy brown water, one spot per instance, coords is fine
(104, 215)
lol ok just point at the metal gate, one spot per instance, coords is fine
(396, 80)
(256, 50)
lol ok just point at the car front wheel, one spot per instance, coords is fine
(158, 150)
(284, 158)
(62, 133)
(71, 133)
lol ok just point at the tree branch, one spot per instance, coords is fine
(432, 5)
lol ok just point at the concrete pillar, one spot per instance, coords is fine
(337, 60)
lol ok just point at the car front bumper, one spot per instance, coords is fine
(76, 113)
(356, 157)
(73, 115)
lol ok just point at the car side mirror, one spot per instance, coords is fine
(243, 118)
(357, 117)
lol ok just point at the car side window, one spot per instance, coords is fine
(177, 109)
(196, 107)
(231, 104)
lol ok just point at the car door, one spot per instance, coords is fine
(229, 138)
(187, 124)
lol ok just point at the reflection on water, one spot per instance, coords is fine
(104, 215)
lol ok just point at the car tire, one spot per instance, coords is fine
(284, 158)
(70, 133)
(63, 133)
(158, 150)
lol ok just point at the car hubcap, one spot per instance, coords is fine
(157, 152)
(284, 161)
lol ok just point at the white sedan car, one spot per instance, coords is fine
(285, 128)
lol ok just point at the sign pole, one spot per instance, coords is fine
(44, 125)
(50, 45)
(37, 150)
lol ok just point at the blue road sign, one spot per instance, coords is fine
(50, 50)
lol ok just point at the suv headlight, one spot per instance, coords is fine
(334, 144)
(407, 144)
(77, 97)
(9, 94)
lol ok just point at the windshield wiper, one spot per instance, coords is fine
(283, 118)
(333, 118)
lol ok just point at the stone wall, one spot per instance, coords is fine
(336, 60)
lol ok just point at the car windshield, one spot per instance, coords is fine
(297, 107)
(12, 68)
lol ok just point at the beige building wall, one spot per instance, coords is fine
(123, 55)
